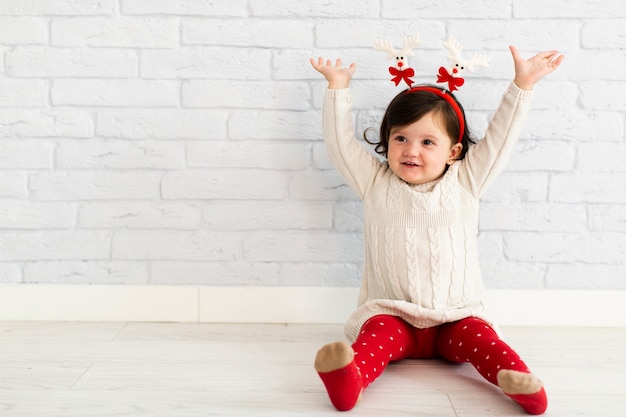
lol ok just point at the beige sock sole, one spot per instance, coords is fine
(514, 382)
(333, 356)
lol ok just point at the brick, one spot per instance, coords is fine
(257, 124)
(84, 272)
(249, 154)
(23, 93)
(324, 185)
(539, 217)
(582, 276)
(59, 245)
(211, 62)
(560, 9)
(556, 95)
(267, 215)
(184, 7)
(116, 31)
(155, 245)
(138, 215)
(14, 184)
(350, 33)
(95, 185)
(603, 34)
(513, 275)
(593, 96)
(518, 188)
(45, 123)
(28, 215)
(224, 184)
(57, 7)
(490, 247)
(115, 93)
(550, 248)
(284, 95)
(480, 36)
(26, 154)
(348, 216)
(303, 247)
(397, 9)
(578, 68)
(575, 126)
(536, 156)
(601, 157)
(607, 218)
(162, 124)
(10, 272)
(588, 188)
(119, 154)
(269, 33)
(214, 273)
(320, 274)
(23, 31)
(329, 9)
(36, 61)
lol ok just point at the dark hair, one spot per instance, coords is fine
(407, 108)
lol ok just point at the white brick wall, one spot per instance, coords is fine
(179, 142)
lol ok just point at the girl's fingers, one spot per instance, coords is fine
(515, 53)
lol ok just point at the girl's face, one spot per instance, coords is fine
(418, 153)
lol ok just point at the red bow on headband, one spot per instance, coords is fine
(402, 75)
(445, 77)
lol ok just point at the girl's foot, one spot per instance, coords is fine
(336, 367)
(525, 389)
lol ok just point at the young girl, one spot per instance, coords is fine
(422, 292)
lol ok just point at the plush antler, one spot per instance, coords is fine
(411, 42)
(478, 60)
(455, 48)
(385, 46)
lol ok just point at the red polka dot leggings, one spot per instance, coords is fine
(385, 338)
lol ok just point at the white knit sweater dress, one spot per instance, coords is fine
(421, 257)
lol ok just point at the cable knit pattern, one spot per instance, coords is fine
(412, 266)
(435, 270)
(421, 257)
(390, 264)
(376, 262)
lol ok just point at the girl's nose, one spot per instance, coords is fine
(411, 150)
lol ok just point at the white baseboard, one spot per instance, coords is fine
(60, 302)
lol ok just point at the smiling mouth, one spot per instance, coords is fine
(411, 164)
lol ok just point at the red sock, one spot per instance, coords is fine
(343, 385)
(382, 339)
(474, 341)
(534, 404)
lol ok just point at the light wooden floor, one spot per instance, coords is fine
(175, 370)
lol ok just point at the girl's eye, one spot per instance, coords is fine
(427, 142)
(400, 139)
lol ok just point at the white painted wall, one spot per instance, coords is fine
(179, 142)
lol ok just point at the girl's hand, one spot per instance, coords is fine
(528, 72)
(337, 76)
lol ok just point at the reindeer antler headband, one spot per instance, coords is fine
(451, 76)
